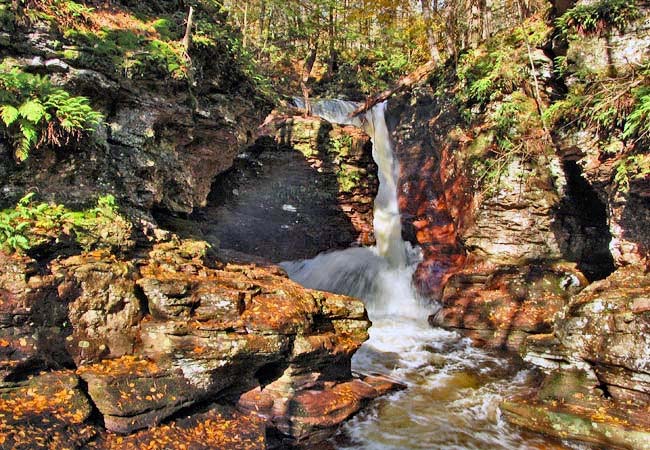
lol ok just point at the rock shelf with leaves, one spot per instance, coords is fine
(174, 330)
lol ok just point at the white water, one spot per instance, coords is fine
(453, 389)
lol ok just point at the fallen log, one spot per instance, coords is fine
(408, 80)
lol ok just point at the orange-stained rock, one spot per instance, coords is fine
(47, 410)
(216, 429)
(33, 320)
(103, 308)
(171, 329)
(217, 329)
(308, 410)
(499, 306)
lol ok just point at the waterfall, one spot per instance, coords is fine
(380, 275)
(453, 388)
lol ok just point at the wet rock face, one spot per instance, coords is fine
(173, 329)
(304, 418)
(419, 123)
(155, 149)
(306, 187)
(447, 212)
(596, 364)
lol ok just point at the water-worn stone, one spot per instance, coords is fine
(499, 306)
(173, 328)
(47, 410)
(217, 330)
(597, 383)
(306, 412)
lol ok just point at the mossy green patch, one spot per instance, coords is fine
(29, 225)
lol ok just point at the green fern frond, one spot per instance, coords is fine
(9, 114)
(33, 111)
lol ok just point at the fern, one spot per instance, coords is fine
(638, 122)
(35, 113)
(9, 114)
(597, 17)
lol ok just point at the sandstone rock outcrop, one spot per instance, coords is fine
(175, 329)
(596, 387)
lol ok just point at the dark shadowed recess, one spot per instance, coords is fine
(582, 225)
(271, 203)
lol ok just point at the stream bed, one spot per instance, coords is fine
(452, 396)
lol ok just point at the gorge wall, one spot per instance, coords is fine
(109, 321)
(535, 240)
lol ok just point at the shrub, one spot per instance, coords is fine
(597, 17)
(30, 224)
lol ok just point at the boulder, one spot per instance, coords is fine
(500, 306)
(48, 409)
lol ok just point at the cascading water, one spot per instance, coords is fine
(380, 275)
(453, 388)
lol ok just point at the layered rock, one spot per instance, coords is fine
(162, 142)
(493, 254)
(500, 306)
(176, 329)
(419, 123)
(597, 382)
(306, 187)
(614, 50)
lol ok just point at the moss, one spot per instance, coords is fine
(348, 177)
(30, 225)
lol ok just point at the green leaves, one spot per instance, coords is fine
(30, 224)
(638, 122)
(29, 138)
(9, 114)
(35, 113)
(597, 17)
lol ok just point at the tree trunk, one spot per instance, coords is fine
(333, 55)
(409, 80)
(245, 27)
(431, 38)
(187, 39)
(306, 72)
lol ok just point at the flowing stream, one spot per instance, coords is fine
(453, 390)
